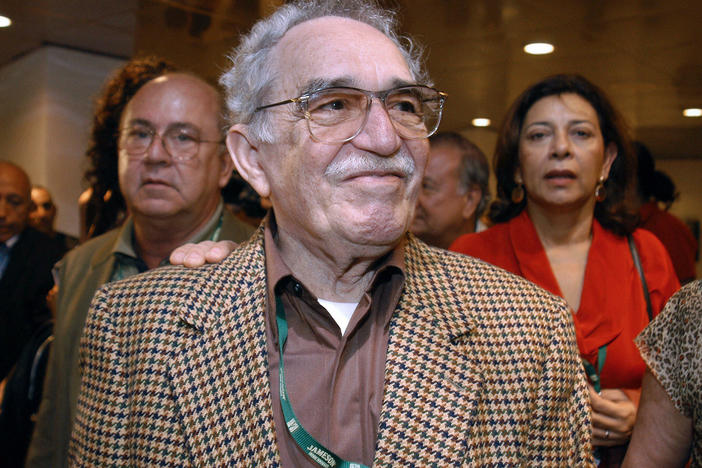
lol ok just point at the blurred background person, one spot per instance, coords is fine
(655, 188)
(669, 424)
(454, 190)
(243, 201)
(565, 213)
(171, 164)
(26, 259)
(42, 217)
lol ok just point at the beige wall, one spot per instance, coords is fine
(45, 117)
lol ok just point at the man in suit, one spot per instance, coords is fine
(454, 191)
(43, 215)
(26, 259)
(172, 164)
(332, 334)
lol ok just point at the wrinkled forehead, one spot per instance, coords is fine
(174, 99)
(336, 51)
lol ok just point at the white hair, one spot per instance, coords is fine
(250, 79)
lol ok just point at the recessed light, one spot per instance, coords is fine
(481, 122)
(5, 21)
(692, 112)
(538, 48)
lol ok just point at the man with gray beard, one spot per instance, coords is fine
(332, 337)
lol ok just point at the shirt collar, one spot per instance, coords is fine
(12, 241)
(125, 239)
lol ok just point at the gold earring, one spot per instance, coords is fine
(600, 190)
(517, 194)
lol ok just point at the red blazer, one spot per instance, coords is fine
(675, 236)
(612, 308)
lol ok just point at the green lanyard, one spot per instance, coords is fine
(594, 375)
(316, 451)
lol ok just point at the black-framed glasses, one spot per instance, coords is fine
(338, 114)
(181, 142)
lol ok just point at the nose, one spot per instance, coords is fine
(378, 135)
(560, 145)
(156, 153)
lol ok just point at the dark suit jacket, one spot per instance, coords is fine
(23, 289)
(481, 369)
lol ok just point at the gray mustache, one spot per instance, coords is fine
(401, 163)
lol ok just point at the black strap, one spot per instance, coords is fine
(637, 263)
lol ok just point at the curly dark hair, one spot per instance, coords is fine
(106, 206)
(617, 212)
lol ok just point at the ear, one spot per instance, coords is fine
(473, 196)
(246, 158)
(610, 156)
(518, 175)
(226, 168)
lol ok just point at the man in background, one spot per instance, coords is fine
(172, 165)
(43, 216)
(454, 190)
(26, 259)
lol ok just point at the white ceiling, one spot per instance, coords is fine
(644, 53)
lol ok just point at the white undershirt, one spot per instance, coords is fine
(341, 312)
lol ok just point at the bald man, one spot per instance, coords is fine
(43, 215)
(172, 164)
(26, 259)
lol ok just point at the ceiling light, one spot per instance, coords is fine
(481, 122)
(538, 48)
(692, 112)
(5, 21)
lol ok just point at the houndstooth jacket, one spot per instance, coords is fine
(482, 369)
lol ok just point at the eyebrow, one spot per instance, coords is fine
(172, 125)
(549, 123)
(316, 84)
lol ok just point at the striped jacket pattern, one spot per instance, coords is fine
(481, 370)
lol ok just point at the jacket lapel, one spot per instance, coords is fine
(432, 382)
(220, 369)
(102, 263)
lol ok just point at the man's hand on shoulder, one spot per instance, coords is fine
(195, 255)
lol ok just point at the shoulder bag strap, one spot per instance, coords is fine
(637, 263)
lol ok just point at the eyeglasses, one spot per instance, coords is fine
(338, 114)
(182, 143)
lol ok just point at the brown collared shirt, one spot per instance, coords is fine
(334, 382)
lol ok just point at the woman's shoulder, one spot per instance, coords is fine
(646, 238)
(475, 243)
(656, 263)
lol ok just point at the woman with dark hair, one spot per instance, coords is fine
(656, 188)
(102, 205)
(565, 215)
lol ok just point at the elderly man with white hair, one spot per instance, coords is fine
(332, 337)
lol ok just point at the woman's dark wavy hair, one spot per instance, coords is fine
(617, 212)
(106, 205)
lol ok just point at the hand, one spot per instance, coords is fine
(613, 417)
(195, 255)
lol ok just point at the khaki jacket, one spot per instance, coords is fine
(84, 269)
